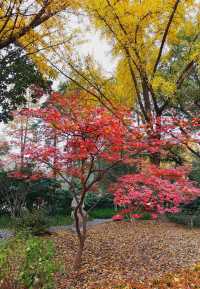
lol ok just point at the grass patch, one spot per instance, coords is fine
(103, 213)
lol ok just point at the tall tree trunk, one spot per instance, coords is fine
(147, 102)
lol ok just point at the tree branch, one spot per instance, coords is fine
(165, 35)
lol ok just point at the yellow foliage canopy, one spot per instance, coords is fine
(36, 25)
(143, 35)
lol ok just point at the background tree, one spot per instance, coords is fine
(35, 26)
(143, 35)
(20, 81)
(16, 171)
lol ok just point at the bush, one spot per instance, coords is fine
(104, 213)
(38, 268)
(6, 222)
(185, 219)
(34, 222)
(13, 193)
(60, 220)
(98, 201)
(62, 203)
(146, 216)
(195, 172)
(27, 263)
(55, 199)
(189, 216)
(17, 194)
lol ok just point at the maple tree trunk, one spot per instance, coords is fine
(79, 254)
(81, 233)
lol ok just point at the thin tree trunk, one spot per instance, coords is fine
(81, 233)
(79, 254)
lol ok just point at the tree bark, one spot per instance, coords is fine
(81, 232)
(79, 254)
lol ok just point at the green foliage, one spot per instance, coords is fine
(55, 199)
(38, 268)
(185, 219)
(114, 173)
(93, 200)
(11, 256)
(27, 263)
(146, 216)
(42, 189)
(195, 172)
(59, 220)
(13, 194)
(102, 213)
(6, 222)
(17, 73)
(60, 203)
(190, 214)
(34, 222)
(17, 194)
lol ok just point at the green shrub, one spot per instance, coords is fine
(13, 194)
(60, 220)
(17, 194)
(6, 222)
(183, 218)
(56, 200)
(11, 257)
(20, 224)
(195, 172)
(27, 263)
(104, 213)
(93, 200)
(37, 269)
(34, 222)
(146, 216)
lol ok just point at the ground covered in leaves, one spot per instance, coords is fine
(121, 252)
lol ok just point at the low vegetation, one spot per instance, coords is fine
(27, 262)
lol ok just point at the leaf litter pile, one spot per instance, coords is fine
(141, 251)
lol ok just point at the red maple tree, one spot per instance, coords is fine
(154, 190)
(81, 142)
(89, 142)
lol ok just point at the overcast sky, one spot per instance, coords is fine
(93, 44)
(100, 49)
